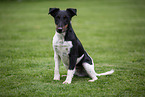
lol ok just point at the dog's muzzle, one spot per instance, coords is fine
(59, 30)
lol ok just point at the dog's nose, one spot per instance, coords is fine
(59, 29)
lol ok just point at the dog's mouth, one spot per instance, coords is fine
(61, 29)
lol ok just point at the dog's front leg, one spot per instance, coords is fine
(56, 70)
(71, 70)
(69, 77)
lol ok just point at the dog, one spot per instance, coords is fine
(68, 48)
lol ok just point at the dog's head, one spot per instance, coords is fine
(62, 18)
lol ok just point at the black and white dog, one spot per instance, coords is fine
(69, 49)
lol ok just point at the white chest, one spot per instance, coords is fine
(62, 48)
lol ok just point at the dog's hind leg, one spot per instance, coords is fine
(90, 70)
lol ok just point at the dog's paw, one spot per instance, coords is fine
(56, 78)
(92, 80)
(66, 82)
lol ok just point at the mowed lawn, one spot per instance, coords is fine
(111, 31)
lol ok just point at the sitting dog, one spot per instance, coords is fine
(69, 50)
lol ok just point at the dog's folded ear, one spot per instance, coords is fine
(71, 12)
(53, 11)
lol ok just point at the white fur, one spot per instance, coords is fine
(90, 70)
(61, 47)
(79, 59)
(57, 63)
(106, 73)
(69, 77)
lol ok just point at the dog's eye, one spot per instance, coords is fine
(58, 17)
(64, 17)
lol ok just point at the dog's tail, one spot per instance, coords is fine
(106, 73)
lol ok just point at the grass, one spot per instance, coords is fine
(112, 32)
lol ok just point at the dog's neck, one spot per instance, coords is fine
(61, 35)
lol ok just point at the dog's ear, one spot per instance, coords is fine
(71, 12)
(53, 11)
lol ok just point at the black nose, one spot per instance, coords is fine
(59, 29)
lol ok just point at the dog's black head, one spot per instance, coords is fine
(62, 18)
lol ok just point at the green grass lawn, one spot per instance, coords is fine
(111, 31)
